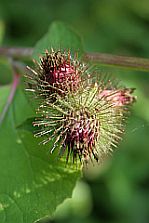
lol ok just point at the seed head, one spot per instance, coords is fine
(81, 115)
(56, 73)
(82, 124)
(119, 97)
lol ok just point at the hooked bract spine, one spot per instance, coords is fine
(82, 117)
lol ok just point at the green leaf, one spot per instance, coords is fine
(33, 182)
(59, 36)
(28, 125)
(4, 93)
(2, 30)
(5, 71)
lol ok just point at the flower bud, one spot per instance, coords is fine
(120, 97)
(57, 73)
(81, 124)
(80, 116)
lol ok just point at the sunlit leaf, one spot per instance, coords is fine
(59, 36)
(33, 182)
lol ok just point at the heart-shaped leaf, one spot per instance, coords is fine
(59, 36)
(33, 182)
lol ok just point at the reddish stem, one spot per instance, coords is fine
(15, 83)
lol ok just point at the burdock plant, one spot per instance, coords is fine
(80, 115)
(57, 73)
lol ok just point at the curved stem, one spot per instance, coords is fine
(17, 68)
(140, 64)
(16, 79)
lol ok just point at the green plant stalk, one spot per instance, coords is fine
(135, 63)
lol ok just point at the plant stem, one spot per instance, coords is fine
(16, 52)
(16, 79)
(140, 64)
(17, 68)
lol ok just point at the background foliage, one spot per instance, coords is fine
(118, 191)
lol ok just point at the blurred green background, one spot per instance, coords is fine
(118, 190)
